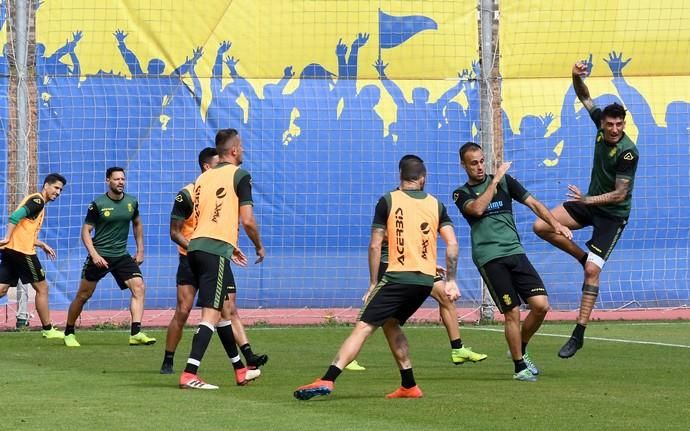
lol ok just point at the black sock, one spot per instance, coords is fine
(407, 379)
(136, 328)
(524, 348)
(456, 344)
(48, 327)
(69, 329)
(200, 342)
(579, 331)
(247, 351)
(583, 260)
(519, 365)
(228, 339)
(332, 373)
(168, 357)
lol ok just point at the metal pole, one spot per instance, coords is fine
(21, 54)
(489, 76)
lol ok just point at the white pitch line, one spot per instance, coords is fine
(613, 340)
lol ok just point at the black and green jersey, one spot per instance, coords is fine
(612, 161)
(494, 233)
(183, 206)
(111, 220)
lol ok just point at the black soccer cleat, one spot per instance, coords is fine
(570, 347)
(167, 368)
(257, 361)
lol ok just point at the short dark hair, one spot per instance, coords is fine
(111, 170)
(407, 157)
(412, 169)
(206, 155)
(222, 137)
(54, 178)
(468, 146)
(613, 110)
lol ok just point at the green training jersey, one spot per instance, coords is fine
(612, 161)
(111, 220)
(494, 233)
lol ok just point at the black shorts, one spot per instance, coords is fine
(607, 228)
(213, 277)
(16, 265)
(511, 279)
(123, 268)
(389, 300)
(383, 267)
(185, 276)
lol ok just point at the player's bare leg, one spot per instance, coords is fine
(449, 316)
(545, 232)
(590, 292)
(136, 307)
(185, 301)
(253, 360)
(513, 334)
(397, 342)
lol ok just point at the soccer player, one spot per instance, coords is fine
(110, 215)
(18, 249)
(182, 223)
(459, 354)
(605, 206)
(486, 203)
(412, 219)
(222, 200)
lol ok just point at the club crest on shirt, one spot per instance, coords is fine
(628, 156)
(129, 207)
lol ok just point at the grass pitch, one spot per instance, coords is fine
(627, 376)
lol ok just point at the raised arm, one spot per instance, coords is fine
(127, 55)
(476, 207)
(451, 92)
(389, 85)
(241, 84)
(287, 75)
(639, 108)
(580, 70)
(67, 48)
(217, 73)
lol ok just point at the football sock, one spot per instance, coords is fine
(332, 373)
(407, 379)
(168, 357)
(519, 365)
(226, 336)
(579, 331)
(200, 342)
(247, 351)
(136, 328)
(48, 327)
(456, 344)
(69, 329)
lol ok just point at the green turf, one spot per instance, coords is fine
(107, 385)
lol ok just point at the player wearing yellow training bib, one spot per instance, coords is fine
(18, 249)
